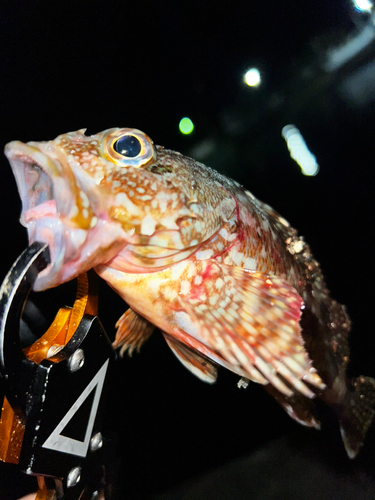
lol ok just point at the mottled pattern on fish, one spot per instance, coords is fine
(225, 278)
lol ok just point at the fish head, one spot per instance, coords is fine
(93, 198)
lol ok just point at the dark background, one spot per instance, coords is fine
(101, 64)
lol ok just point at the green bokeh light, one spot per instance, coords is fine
(186, 126)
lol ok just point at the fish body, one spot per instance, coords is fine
(225, 278)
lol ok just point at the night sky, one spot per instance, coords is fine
(95, 64)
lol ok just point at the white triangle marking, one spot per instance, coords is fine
(56, 441)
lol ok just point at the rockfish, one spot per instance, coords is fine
(221, 274)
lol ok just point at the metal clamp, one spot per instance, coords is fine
(52, 415)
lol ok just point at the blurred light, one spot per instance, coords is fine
(299, 150)
(203, 149)
(358, 88)
(363, 5)
(186, 126)
(336, 57)
(252, 77)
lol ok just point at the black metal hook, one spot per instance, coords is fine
(13, 295)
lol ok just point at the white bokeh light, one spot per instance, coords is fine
(252, 77)
(299, 151)
(363, 5)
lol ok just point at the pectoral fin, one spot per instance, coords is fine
(251, 320)
(132, 332)
(199, 365)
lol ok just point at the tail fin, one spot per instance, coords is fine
(358, 413)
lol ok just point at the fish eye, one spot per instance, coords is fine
(128, 147)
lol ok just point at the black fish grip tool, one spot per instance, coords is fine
(53, 391)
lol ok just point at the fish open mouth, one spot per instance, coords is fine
(41, 180)
(44, 214)
(36, 190)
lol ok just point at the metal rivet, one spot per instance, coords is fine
(96, 442)
(76, 360)
(74, 477)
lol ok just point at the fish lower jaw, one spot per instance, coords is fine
(64, 245)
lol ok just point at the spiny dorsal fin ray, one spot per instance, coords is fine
(251, 319)
(199, 365)
(132, 332)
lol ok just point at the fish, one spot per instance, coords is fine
(222, 275)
